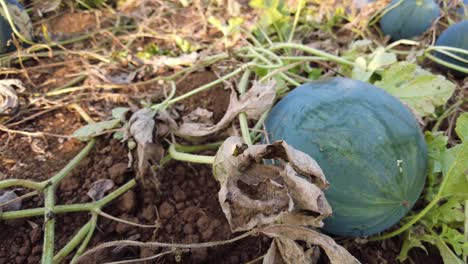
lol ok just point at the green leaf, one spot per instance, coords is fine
(447, 255)
(436, 143)
(451, 212)
(410, 241)
(454, 238)
(455, 167)
(119, 112)
(462, 127)
(420, 89)
(90, 130)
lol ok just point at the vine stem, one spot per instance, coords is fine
(296, 20)
(190, 157)
(446, 64)
(86, 240)
(49, 226)
(314, 51)
(69, 208)
(244, 126)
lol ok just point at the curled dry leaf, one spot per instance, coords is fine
(99, 189)
(142, 127)
(254, 103)
(5, 204)
(254, 193)
(8, 97)
(286, 249)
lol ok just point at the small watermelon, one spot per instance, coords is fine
(405, 19)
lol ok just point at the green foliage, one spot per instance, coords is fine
(443, 225)
(418, 88)
(275, 17)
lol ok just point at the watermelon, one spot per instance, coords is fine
(408, 18)
(21, 21)
(454, 36)
(368, 144)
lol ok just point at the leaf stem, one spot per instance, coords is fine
(313, 51)
(189, 157)
(49, 225)
(296, 20)
(73, 243)
(243, 83)
(88, 237)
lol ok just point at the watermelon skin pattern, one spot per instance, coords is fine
(21, 20)
(455, 36)
(368, 144)
(409, 19)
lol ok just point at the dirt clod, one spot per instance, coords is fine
(128, 202)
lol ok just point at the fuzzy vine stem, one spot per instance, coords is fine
(86, 240)
(70, 208)
(243, 83)
(189, 157)
(313, 51)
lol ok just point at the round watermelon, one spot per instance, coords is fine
(368, 144)
(408, 18)
(21, 20)
(454, 36)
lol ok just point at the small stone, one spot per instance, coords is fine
(180, 206)
(188, 229)
(117, 171)
(127, 202)
(203, 222)
(69, 183)
(166, 210)
(24, 251)
(179, 195)
(20, 259)
(37, 250)
(149, 213)
(33, 259)
(108, 161)
(207, 233)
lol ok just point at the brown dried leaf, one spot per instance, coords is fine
(99, 189)
(284, 250)
(287, 237)
(8, 97)
(143, 128)
(255, 101)
(7, 203)
(253, 193)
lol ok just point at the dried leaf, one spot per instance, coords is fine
(200, 115)
(46, 6)
(6, 197)
(173, 62)
(284, 250)
(143, 128)
(99, 189)
(253, 193)
(256, 101)
(287, 237)
(8, 96)
(142, 125)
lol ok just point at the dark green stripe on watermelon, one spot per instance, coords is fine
(455, 36)
(368, 144)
